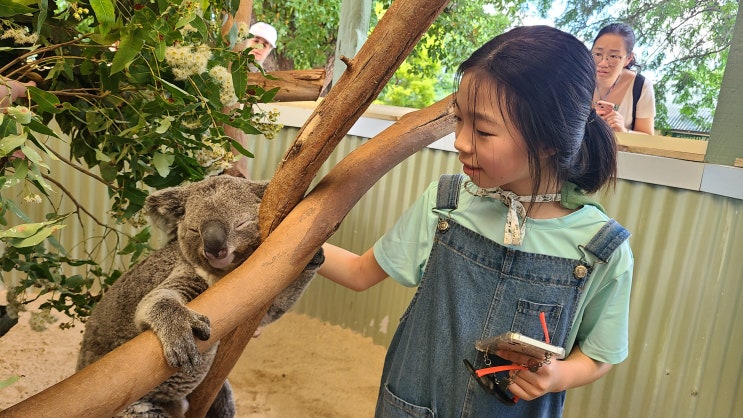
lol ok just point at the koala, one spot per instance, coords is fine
(212, 227)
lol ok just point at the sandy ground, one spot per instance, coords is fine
(298, 367)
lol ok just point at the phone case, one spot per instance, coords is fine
(607, 105)
(513, 341)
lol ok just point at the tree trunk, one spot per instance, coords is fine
(366, 75)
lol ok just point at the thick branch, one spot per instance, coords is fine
(388, 45)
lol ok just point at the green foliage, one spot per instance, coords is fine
(307, 30)
(684, 43)
(141, 93)
(427, 75)
(408, 87)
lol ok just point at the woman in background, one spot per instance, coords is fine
(623, 98)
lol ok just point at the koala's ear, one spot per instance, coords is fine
(166, 207)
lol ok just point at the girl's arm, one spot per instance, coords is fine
(576, 370)
(356, 272)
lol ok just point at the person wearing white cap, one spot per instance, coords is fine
(262, 42)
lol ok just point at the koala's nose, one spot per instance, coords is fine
(214, 237)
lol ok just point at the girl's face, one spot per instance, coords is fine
(610, 55)
(492, 152)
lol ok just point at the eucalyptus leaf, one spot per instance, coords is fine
(9, 143)
(24, 230)
(33, 156)
(162, 163)
(104, 10)
(10, 8)
(47, 101)
(100, 156)
(129, 47)
(39, 127)
(12, 379)
(35, 239)
(108, 172)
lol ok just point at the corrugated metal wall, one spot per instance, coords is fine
(685, 354)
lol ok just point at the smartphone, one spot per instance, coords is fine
(513, 341)
(606, 106)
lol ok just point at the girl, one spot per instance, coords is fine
(501, 248)
(630, 96)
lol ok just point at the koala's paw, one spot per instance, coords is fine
(178, 341)
(176, 326)
(316, 261)
(286, 299)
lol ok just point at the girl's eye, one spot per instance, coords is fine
(483, 133)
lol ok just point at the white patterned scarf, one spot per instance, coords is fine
(516, 218)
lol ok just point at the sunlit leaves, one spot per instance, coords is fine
(129, 47)
(10, 8)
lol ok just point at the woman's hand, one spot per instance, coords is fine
(614, 119)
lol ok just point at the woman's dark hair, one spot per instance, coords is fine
(627, 33)
(545, 80)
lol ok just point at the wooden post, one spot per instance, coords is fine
(294, 85)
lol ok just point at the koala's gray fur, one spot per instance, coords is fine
(212, 227)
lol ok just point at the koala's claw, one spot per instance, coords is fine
(177, 337)
(201, 327)
(184, 356)
(316, 261)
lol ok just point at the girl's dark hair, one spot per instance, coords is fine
(627, 33)
(545, 80)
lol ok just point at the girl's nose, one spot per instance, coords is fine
(463, 141)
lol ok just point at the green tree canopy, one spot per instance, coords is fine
(683, 44)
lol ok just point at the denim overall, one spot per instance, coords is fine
(474, 288)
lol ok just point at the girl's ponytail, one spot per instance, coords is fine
(596, 161)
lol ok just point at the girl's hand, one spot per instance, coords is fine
(557, 375)
(540, 378)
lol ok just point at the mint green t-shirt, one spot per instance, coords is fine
(601, 322)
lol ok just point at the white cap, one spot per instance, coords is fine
(265, 31)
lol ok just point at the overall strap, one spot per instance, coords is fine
(636, 91)
(447, 195)
(609, 237)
